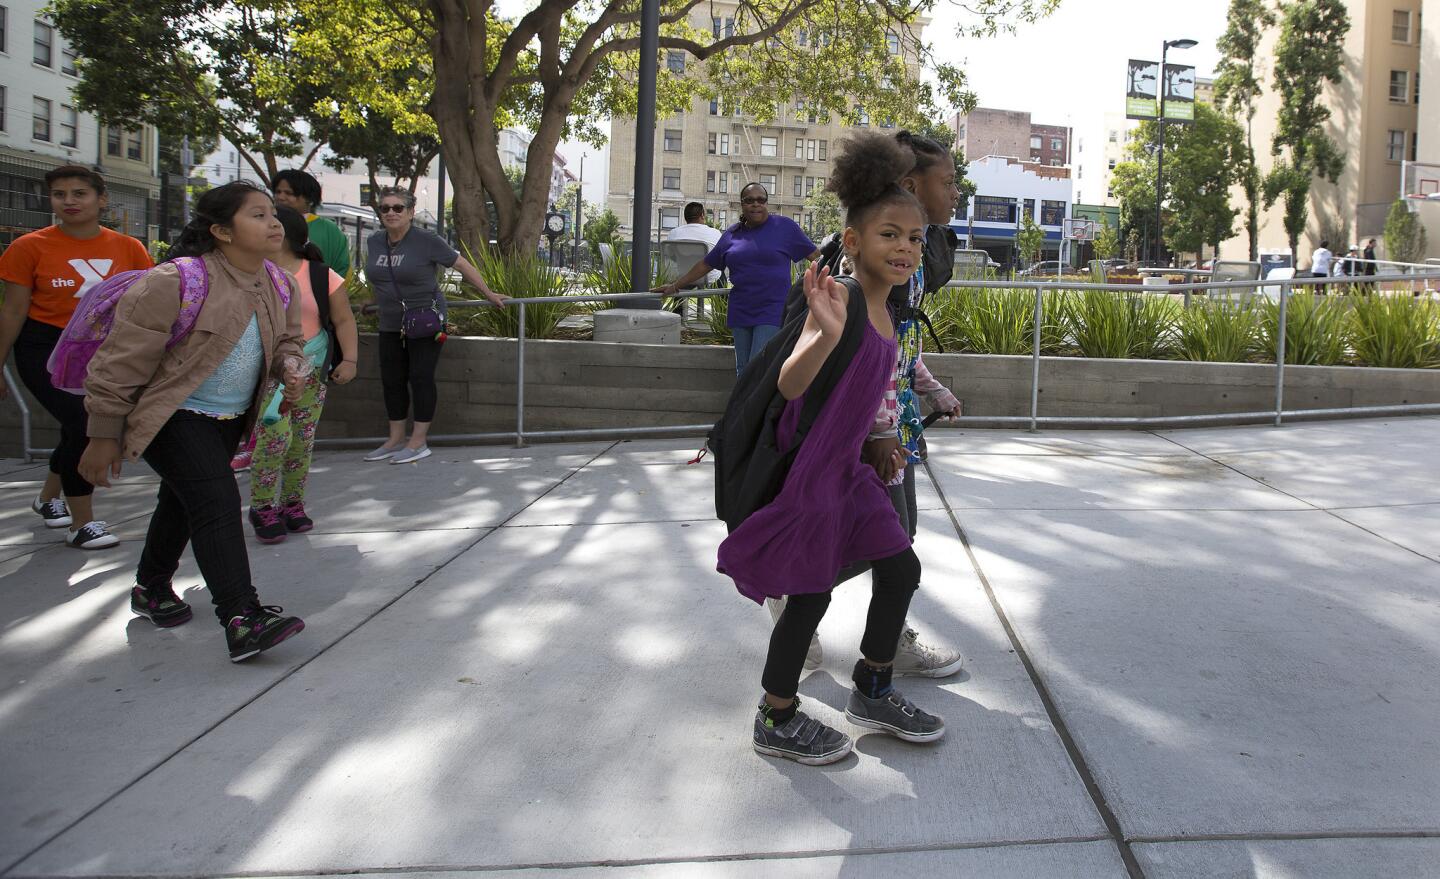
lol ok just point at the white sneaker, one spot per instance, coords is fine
(407, 456)
(55, 513)
(815, 656)
(383, 452)
(92, 535)
(922, 660)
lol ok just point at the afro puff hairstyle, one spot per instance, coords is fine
(868, 167)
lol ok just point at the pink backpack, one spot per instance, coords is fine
(93, 317)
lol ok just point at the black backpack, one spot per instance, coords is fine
(320, 286)
(749, 466)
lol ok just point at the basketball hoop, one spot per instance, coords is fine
(1419, 184)
(1079, 229)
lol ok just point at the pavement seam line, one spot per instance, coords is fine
(677, 860)
(1047, 701)
(1296, 836)
(9, 868)
(1329, 511)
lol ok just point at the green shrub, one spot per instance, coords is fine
(614, 278)
(1107, 324)
(715, 332)
(995, 321)
(1317, 329)
(518, 276)
(1396, 331)
(1217, 331)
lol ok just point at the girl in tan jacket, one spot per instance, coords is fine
(184, 409)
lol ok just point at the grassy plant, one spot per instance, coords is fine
(715, 332)
(1107, 324)
(997, 321)
(519, 276)
(1397, 332)
(614, 278)
(1317, 329)
(1217, 331)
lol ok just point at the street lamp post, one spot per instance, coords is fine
(1160, 87)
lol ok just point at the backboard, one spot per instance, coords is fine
(1079, 229)
(1419, 184)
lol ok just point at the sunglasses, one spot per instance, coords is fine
(391, 208)
(754, 200)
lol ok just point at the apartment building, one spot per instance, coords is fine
(710, 152)
(986, 132)
(1098, 150)
(1006, 191)
(40, 127)
(1377, 123)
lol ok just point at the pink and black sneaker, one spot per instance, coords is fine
(267, 524)
(160, 605)
(295, 518)
(259, 629)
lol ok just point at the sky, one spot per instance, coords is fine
(1067, 69)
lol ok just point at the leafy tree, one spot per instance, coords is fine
(406, 157)
(564, 64)
(600, 229)
(1107, 240)
(1237, 89)
(202, 66)
(1404, 235)
(825, 214)
(1029, 240)
(1308, 54)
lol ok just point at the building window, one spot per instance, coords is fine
(714, 108)
(44, 39)
(1110, 164)
(675, 61)
(669, 218)
(892, 43)
(822, 151)
(799, 186)
(768, 181)
(1052, 213)
(1399, 86)
(724, 181)
(40, 130)
(820, 183)
(1056, 143)
(810, 150)
(799, 147)
(672, 140)
(670, 178)
(67, 60)
(710, 143)
(1035, 142)
(769, 145)
(1414, 145)
(1395, 145)
(709, 181)
(1114, 136)
(69, 124)
(113, 144)
(722, 28)
(135, 146)
(1400, 26)
(724, 217)
(809, 186)
(1030, 208)
(864, 118)
(724, 144)
(991, 209)
(887, 123)
(1417, 87)
(4, 31)
(3, 103)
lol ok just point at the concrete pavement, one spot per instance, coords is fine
(1197, 653)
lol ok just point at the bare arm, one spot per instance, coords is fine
(823, 328)
(472, 276)
(12, 318)
(346, 333)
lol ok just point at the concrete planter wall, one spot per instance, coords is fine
(573, 385)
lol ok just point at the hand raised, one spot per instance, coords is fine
(827, 300)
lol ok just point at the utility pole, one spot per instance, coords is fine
(645, 146)
(1162, 86)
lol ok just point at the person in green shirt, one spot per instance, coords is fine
(301, 191)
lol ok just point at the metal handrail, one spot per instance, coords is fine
(1034, 420)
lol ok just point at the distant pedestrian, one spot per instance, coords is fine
(1369, 267)
(757, 252)
(696, 229)
(1320, 264)
(184, 407)
(403, 268)
(301, 191)
(45, 274)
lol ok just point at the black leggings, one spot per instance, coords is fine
(894, 582)
(32, 351)
(407, 371)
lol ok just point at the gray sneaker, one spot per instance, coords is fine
(815, 656)
(923, 660)
(894, 714)
(802, 738)
(383, 453)
(410, 456)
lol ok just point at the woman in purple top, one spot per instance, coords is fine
(757, 253)
(832, 509)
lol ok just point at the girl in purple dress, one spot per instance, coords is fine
(833, 509)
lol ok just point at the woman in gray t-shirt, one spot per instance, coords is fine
(402, 266)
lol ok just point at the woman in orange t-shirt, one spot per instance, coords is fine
(45, 274)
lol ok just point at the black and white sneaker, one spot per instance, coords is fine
(894, 714)
(93, 535)
(802, 738)
(55, 513)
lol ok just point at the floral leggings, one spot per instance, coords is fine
(281, 463)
